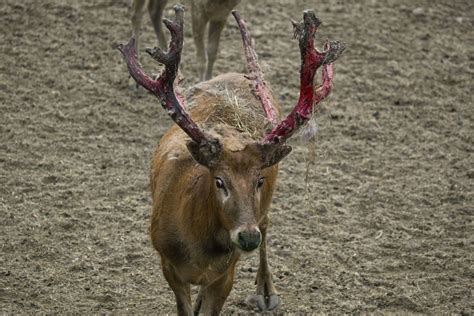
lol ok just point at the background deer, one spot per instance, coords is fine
(214, 172)
(204, 12)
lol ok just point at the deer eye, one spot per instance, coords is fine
(260, 182)
(219, 183)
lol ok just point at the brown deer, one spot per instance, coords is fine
(204, 12)
(214, 172)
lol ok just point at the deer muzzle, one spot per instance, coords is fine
(246, 238)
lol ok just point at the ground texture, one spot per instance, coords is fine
(374, 215)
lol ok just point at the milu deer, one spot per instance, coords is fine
(214, 172)
(204, 12)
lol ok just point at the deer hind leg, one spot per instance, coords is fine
(180, 288)
(266, 297)
(199, 26)
(155, 8)
(137, 15)
(215, 30)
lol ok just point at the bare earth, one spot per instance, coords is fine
(384, 225)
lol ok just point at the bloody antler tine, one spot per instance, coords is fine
(312, 22)
(134, 68)
(176, 26)
(296, 29)
(311, 60)
(255, 72)
(163, 87)
(172, 57)
(336, 48)
(325, 87)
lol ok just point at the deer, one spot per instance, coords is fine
(204, 13)
(214, 172)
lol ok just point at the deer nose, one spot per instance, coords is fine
(249, 240)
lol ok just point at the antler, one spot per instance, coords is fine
(255, 73)
(311, 60)
(163, 87)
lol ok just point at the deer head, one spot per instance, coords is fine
(238, 180)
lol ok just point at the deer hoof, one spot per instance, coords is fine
(263, 303)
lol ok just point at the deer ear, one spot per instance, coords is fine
(206, 153)
(272, 154)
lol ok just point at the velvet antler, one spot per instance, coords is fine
(311, 60)
(163, 87)
(255, 73)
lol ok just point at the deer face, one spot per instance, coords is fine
(238, 193)
(238, 184)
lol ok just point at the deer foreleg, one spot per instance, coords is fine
(215, 30)
(180, 288)
(211, 297)
(197, 304)
(266, 297)
(199, 27)
(155, 8)
(137, 15)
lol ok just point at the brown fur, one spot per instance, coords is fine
(189, 227)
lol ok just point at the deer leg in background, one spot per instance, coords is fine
(137, 15)
(266, 297)
(199, 27)
(155, 8)
(181, 289)
(215, 30)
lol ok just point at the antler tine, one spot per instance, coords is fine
(163, 87)
(255, 72)
(311, 60)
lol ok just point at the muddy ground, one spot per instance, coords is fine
(384, 225)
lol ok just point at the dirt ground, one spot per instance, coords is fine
(384, 225)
